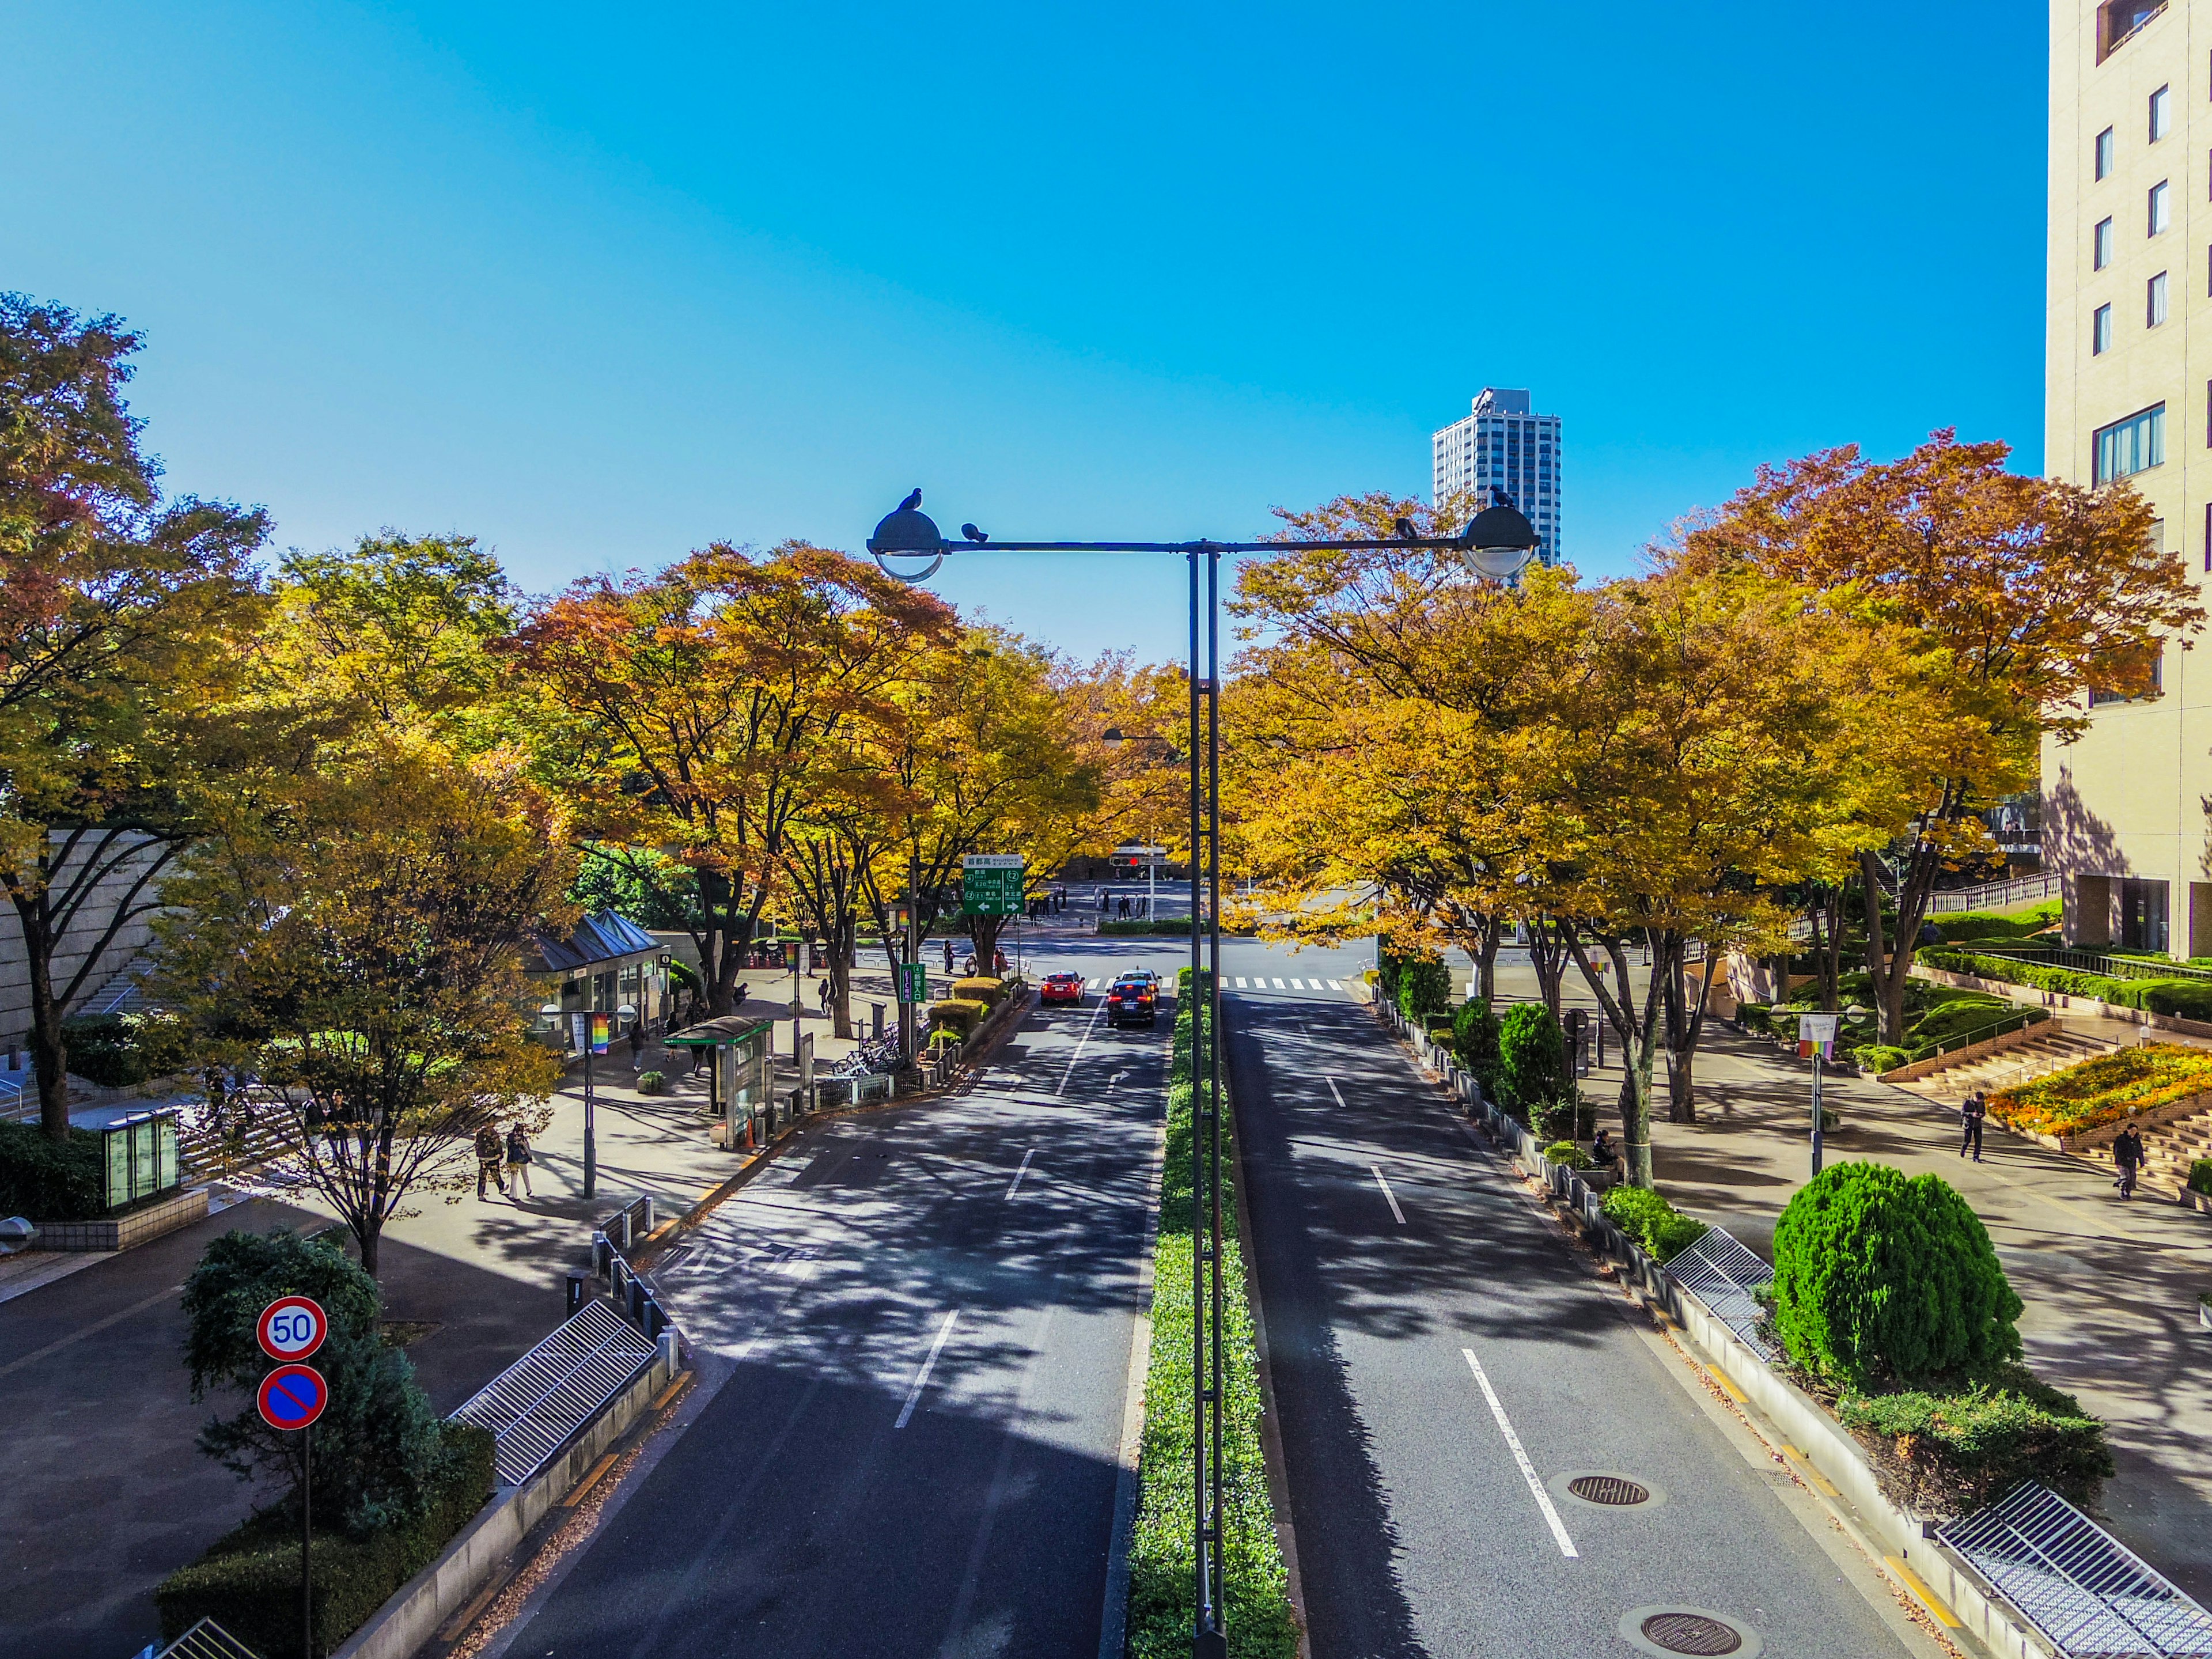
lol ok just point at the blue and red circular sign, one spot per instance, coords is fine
(291, 1328)
(293, 1396)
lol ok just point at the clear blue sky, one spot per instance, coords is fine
(602, 283)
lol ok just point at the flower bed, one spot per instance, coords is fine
(2105, 1090)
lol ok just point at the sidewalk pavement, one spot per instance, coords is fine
(2111, 1287)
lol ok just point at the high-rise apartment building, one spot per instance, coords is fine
(1501, 445)
(2127, 396)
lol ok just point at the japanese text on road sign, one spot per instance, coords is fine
(991, 885)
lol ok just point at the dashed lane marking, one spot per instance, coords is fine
(1015, 1185)
(1375, 1169)
(1527, 1469)
(921, 1377)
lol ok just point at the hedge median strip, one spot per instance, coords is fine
(1162, 1610)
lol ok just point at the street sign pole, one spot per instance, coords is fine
(1816, 1036)
(288, 1330)
(307, 1540)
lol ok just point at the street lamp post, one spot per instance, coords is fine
(1496, 544)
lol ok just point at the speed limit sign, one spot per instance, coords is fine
(291, 1328)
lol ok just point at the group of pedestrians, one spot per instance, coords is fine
(511, 1150)
(2128, 1154)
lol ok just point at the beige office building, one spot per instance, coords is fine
(2128, 370)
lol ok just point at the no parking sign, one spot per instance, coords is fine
(292, 1396)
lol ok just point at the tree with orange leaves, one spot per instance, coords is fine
(2019, 592)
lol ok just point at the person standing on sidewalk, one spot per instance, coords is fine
(637, 1045)
(518, 1160)
(2128, 1154)
(491, 1150)
(1971, 1111)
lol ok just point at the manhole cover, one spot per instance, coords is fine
(1691, 1632)
(1610, 1489)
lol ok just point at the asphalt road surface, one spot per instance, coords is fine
(923, 1318)
(1444, 1366)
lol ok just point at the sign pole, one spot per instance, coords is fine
(591, 1141)
(307, 1540)
(1816, 1111)
(1816, 1038)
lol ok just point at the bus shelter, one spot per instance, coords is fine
(739, 1072)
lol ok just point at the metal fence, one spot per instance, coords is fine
(1996, 894)
(205, 1640)
(18, 1104)
(1727, 1278)
(534, 1405)
(2087, 1592)
(2082, 962)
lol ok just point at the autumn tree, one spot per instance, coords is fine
(2020, 593)
(356, 942)
(686, 713)
(124, 616)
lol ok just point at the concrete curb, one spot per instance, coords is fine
(1114, 1617)
(433, 1596)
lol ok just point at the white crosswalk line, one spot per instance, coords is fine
(1297, 985)
(1092, 985)
(1279, 986)
(1240, 986)
(1333, 985)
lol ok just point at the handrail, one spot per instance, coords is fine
(2044, 956)
(1996, 1027)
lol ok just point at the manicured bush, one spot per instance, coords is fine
(51, 1182)
(1991, 924)
(1879, 1279)
(979, 989)
(2183, 998)
(1951, 1454)
(1532, 1054)
(1568, 1118)
(1974, 1013)
(120, 1051)
(248, 1581)
(942, 1038)
(1474, 1040)
(1566, 1153)
(1663, 1230)
(1424, 988)
(2200, 1176)
(652, 1083)
(1875, 1058)
(2105, 1090)
(1753, 1016)
(958, 1014)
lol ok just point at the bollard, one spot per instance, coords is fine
(577, 1280)
(602, 1253)
(875, 1019)
(671, 1343)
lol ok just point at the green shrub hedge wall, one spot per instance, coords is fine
(959, 1014)
(1882, 1280)
(1474, 1040)
(1424, 988)
(249, 1581)
(1663, 1230)
(51, 1182)
(1951, 1454)
(2200, 1176)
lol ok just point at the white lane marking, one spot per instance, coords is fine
(1520, 1457)
(1375, 1169)
(1014, 1186)
(1279, 985)
(1336, 985)
(1078, 1055)
(1090, 985)
(1297, 985)
(921, 1380)
(1240, 984)
(1334, 1089)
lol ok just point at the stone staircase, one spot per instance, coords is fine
(2168, 1151)
(2051, 1048)
(209, 1156)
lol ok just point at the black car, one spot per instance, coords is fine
(1133, 1001)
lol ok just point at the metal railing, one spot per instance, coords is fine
(2087, 1592)
(17, 1103)
(1996, 1027)
(1996, 894)
(1728, 1279)
(204, 1640)
(535, 1406)
(2080, 962)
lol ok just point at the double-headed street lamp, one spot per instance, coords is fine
(1497, 545)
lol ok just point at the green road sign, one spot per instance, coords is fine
(991, 885)
(914, 982)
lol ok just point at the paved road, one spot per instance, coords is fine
(1429, 1330)
(925, 1317)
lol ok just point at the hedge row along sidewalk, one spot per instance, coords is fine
(1161, 1609)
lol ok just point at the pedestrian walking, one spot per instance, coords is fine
(637, 1045)
(518, 1160)
(311, 1125)
(822, 994)
(491, 1152)
(948, 957)
(1971, 1111)
(2128, 1154)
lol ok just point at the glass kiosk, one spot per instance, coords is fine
(739, 1075)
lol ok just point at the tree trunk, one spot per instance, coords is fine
(1887, 966)
(1547, 955)
(1686, 1025)
(1638, 1033)
(49, 1048)
(841, 977)
(983, 932)
(1485, 963)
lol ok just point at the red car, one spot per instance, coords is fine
(1061, 987)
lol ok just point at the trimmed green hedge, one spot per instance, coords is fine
(1423, 988)
(2183, 998)
(1566, 1153)
(1258, 1613)
(1663, 1230)
(51, 1182)
(987, 991)
(1474, 1040)
(1875, 1058)
(2200, 1176)
(1951, 1454)
(959, 1014)
(120, 1051)
(248, 1581)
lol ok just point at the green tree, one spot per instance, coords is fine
(126, 619)
(1532, 1058)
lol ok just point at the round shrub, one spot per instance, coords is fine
(1875, 1058)
(1877, 1279)
(1531, 1052)
(1566, 1153)
(1475, 1039)
(1423, 988)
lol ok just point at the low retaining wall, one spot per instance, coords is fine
(2105, 1132)
(1906, 1541)
(433, 1596)
(123, 1231)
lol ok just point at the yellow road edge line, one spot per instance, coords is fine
(590, 1479)
(1913, 1582)
(461, 1620)
(1726, 1386)
(1819, 1482)
(683, 1381)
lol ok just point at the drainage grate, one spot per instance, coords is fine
(539, 1402)
(1612, 1489)
(1728, 1279)
(1691, 1632)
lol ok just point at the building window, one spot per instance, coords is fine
(2154, 300)
(2127, 448)
(2154, 663)
(2117, 20)
(2162, 209)
(2105, 153)
(2161, 113)
(2101, 331)
(2100, 245)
